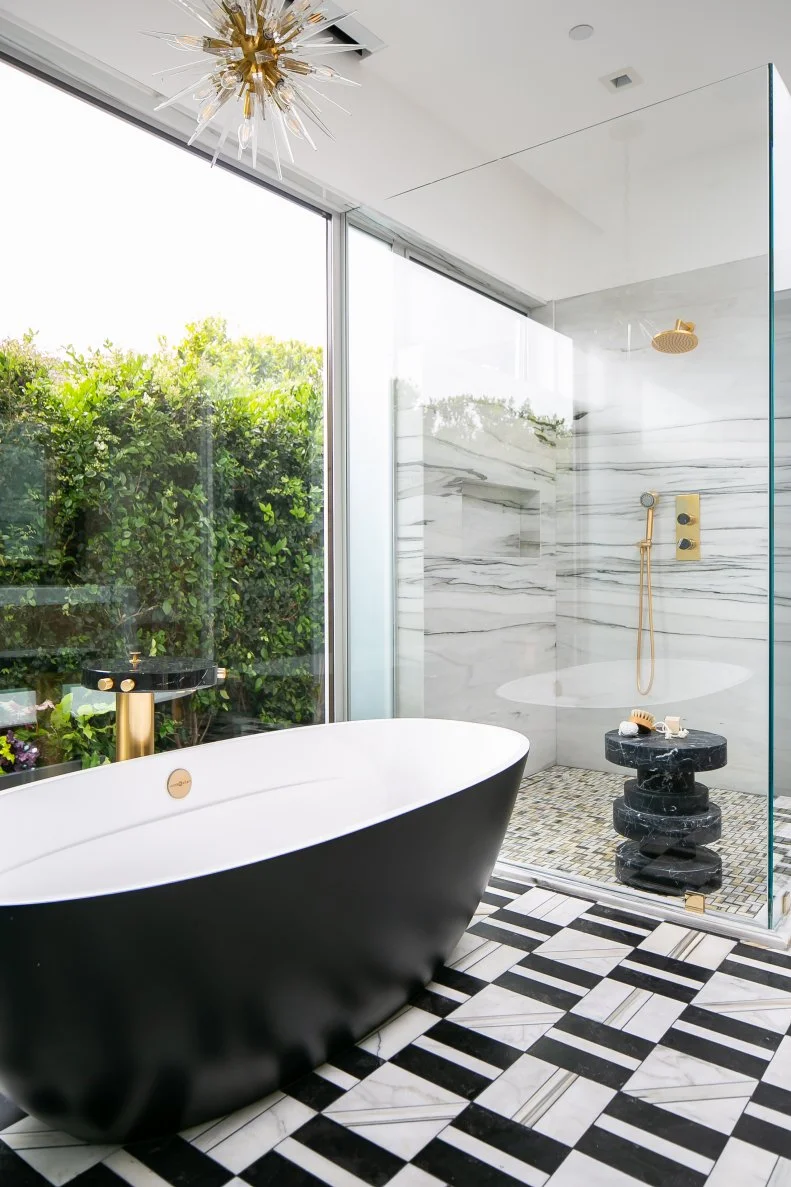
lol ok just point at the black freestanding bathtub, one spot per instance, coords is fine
(164, 961)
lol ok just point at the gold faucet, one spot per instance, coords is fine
(134, 717)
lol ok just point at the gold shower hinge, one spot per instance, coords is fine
(695, 903)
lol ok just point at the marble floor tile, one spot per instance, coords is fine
(741, 1165)
(506, 1016)
(130, 1170)
(588, 1047)
(238, 1143)
(398, 1033)
(397, 1109)
(710, 1094)
(497, 959)
(655, 1017)
(411, 1176)
(781, 1175)
(779, 1070)
(579, 1170)
(575, 1110)
(583, 951)
(747, 1001)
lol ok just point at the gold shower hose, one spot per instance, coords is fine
(646, 594)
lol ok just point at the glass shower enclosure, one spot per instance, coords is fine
(592, 507)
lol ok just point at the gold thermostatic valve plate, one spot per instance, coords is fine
(688, 533)
(179, 784)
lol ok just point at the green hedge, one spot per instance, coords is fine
(171, 503)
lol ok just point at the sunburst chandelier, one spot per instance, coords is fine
(258, 71)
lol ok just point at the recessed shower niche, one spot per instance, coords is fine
(500, 521)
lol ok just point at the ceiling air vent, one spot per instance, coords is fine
(621, 80)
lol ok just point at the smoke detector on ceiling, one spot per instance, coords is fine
(622, 80)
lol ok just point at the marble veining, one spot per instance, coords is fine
(476, 569)
(665, 814)
(546, 642)
(700, 751)
(646, 421)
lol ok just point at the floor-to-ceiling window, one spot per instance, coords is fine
(162, 345)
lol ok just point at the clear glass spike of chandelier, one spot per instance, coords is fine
(259, 71)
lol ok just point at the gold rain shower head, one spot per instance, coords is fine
(679, 340)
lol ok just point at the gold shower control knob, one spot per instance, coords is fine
(128, 686)
(105, 685)
(686, 545)
(685, 519)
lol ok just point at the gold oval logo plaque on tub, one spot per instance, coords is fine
(179, 784)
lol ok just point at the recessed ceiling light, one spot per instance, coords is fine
(581, 32)
(620, 80)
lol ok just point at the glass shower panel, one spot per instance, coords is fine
(646, 242)
(162, 439)
(480, 430)
(663, 525)
(370, 477)
(780, 872)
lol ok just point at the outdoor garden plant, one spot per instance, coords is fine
(170, 503)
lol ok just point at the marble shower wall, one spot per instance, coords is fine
(671, 424)
(476, 591)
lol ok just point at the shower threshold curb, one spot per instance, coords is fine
(646, 904)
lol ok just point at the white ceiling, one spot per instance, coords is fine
(462, 82)
(506, 76)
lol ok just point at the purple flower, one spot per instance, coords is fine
(24, 756)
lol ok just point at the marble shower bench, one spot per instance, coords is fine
(666, 814)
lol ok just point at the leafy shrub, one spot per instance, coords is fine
(170, 503)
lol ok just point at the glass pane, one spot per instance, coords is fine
(162, 404)
(481, 428)
(370, 477)
(663, 543)
(780, 904)
(543, 463)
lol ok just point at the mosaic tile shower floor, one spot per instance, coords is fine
(563, 822)
(564, 1044)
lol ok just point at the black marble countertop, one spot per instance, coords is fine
(152, 674)
(699, 751)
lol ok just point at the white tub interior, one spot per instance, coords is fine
(116, 829)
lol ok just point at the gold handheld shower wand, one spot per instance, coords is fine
(648, 500)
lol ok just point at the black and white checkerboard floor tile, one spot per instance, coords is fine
(565, 1044)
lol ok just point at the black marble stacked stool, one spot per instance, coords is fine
(666, 814)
